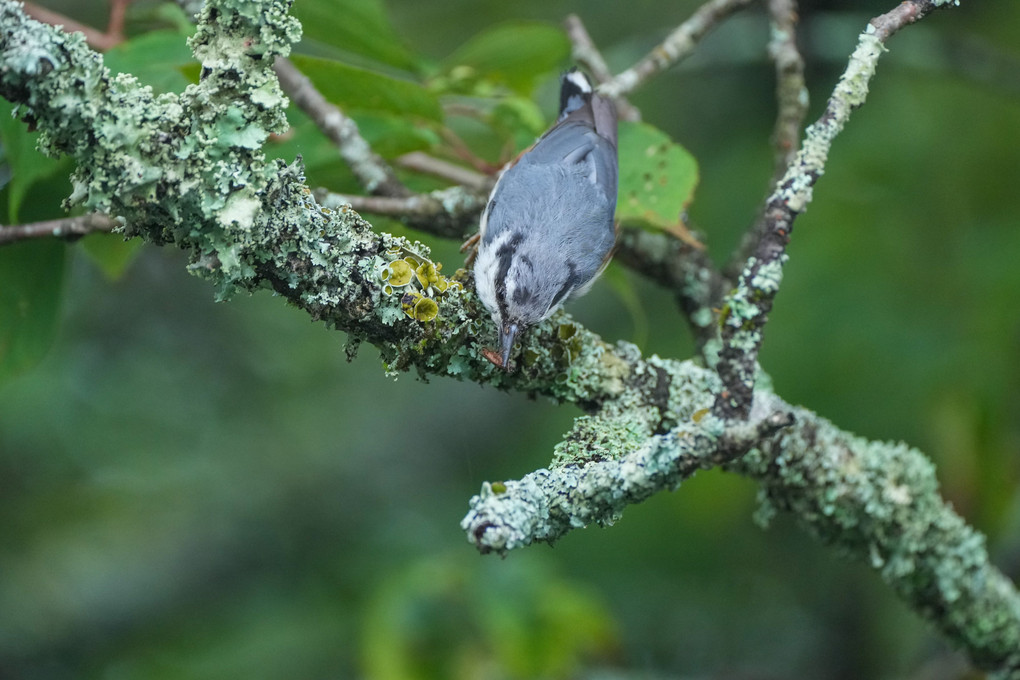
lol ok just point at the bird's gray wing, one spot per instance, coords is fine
(576, 145)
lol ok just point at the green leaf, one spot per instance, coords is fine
(172, 14)
(392, 136)
(514, 53)
(156, 58)
(31, 278)
(657, 178)
(357, 89)
(27, 165)
(111, 253)
(358, 27)
(518, 118)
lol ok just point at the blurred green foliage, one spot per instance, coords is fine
(201, 490)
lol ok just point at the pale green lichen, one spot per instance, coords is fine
(185, 157)
(629, 464)
(795, 189)
(595, 438)
(767, 278)
(608, 461)
(880, 501)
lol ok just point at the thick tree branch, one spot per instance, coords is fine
(880, 503)
(615, 459)
(191, 172)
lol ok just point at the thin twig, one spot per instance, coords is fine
(791, 92)
(115, 26)
(585, 53)
(462, 151)
(67, 228)
(746, 310)
(791, 105)
(93, 36)
(372, 171)
(449, 213)
(458, 174)
(677, 45)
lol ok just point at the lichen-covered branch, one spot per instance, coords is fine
(879, 502)
(792, 103)
(616, 458)
(791, 92)
(189, 170)
(746, 309)
(678, 45)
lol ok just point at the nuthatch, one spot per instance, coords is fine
(547, 231)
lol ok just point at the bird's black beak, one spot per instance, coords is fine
(506, 343)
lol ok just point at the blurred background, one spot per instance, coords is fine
(192, 489)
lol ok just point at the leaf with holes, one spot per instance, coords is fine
(657, 179)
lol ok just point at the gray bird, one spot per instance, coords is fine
(547, 231)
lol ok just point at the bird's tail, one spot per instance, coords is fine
(578, 98)
(575, 92)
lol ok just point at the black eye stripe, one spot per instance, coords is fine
(505, 257)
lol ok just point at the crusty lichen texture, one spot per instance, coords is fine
(880, 502)
(188, 169)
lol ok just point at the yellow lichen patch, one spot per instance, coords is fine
(419, 307)
(397, 273)
(425, 309)
(427, 274)
(417, 280)
(571, 345)
(409, 300)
